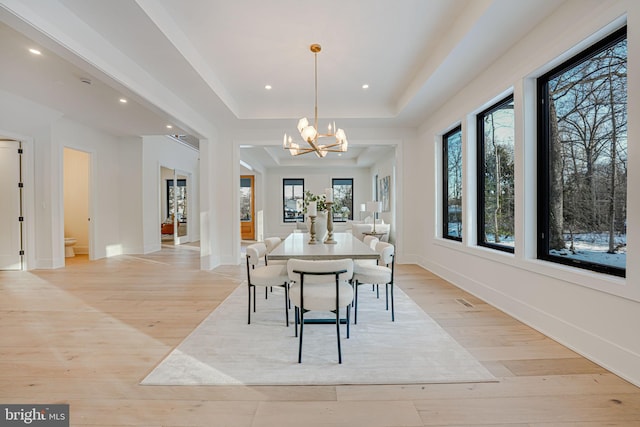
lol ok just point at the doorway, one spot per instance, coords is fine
(76, 199)
(174, 206)
(247, 208)
(11, 216)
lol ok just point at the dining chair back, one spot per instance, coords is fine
(320, 286)
(381, 274)
(371, 241)
(266, 276)
(271, 243)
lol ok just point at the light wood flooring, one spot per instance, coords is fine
(88, 333)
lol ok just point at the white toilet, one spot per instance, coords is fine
(68, 247)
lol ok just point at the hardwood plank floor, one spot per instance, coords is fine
(88, 333)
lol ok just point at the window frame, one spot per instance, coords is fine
(543, 158)
(480, 173)
(445, 183)
(301, 216)
(333, 184)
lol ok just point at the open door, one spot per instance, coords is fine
(11, 251)
(76, 199)
(174, 206)
(247, 208)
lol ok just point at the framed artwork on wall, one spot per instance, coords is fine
(384, 187)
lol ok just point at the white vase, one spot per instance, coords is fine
(320, 226)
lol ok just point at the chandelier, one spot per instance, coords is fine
(310, 133)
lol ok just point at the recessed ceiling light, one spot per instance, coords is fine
(267, 87)
(365, 86)
(169, 127)
(123, 101)
(35, 51)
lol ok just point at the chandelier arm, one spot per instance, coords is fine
(314, 147)
(324, 147)
(302, 151)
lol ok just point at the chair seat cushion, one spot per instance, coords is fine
(375, 274)
(316, 296)
(361, 264)
(269, 275)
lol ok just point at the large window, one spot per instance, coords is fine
(292, 199)
(495, 176)
(342, 199)
(452, 184)
(582, 157)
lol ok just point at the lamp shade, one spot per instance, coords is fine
(309, 133)
(302, 123)
(374, 206)
(363, 207)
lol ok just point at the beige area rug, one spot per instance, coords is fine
(225, 350)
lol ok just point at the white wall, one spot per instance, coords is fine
(130, 217)
(158, 152)
(315, 180)
(105, 201)
(594, 314)
(118, 189)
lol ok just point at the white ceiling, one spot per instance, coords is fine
(191, 63)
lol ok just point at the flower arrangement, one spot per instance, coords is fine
(320, 199)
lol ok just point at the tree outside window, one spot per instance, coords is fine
(342, 199)
(583, 159)
(452, 184)
(496, 176)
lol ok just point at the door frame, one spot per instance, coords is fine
(252, 178)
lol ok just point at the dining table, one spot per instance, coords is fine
(297, 246)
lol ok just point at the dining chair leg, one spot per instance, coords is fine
(355, 305)
(386, 295)
(353, 285)
(286, 304)
(348, 320)
(393, 312)
(338, 334)
(254, 299)
(301, 311)
(249, 305)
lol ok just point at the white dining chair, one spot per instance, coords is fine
(271, 243)
(266, 276)
(381, 274)
(320, 286)
(370, 241)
